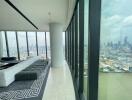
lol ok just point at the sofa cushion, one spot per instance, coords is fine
(26, 75)
(8, 58)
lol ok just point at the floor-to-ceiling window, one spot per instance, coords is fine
(115, 77)
(32, 44)
(22, 45)
(77, 47)
(41, 44)
(86, 46)
(11, 36)
(4, 44)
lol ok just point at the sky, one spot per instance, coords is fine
(116, 20)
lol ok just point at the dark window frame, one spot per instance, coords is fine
(93, 46)
(46, 45)
(17, 42)
(7, 45)
(36, 35)
(81, 47)
(27, 42)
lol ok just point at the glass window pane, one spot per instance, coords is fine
(115, 82)
(48, 44)
(4, 44)
(85, 47)
(32, 44)
(22, 45)
(11, 36)
(41, 44)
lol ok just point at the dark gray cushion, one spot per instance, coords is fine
(26, 75)
(8, 58)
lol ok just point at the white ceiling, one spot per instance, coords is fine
(10, 19)
(40, 12)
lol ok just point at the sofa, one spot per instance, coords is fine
(7, 76)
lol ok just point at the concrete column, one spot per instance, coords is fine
(1, 45)
(56, 43)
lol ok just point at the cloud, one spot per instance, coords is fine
(110, 28)
(127, 21)
(112, 20)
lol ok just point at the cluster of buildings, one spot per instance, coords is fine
(116, 57)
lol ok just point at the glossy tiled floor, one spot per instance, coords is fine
(59, 85)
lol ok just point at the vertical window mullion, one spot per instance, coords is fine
(76, 44)
(46, 45)
(73, 69)
(27, 44)
(94, 44)
(17, 42)
(65, 45)
(68, 46)
(7, 45)
(81, 45)
(37, 43)
(71, 45)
